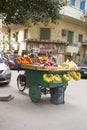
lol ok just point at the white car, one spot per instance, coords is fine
(5, 73)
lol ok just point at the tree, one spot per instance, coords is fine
(30, 11)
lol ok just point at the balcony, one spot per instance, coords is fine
(72, 48)
(72, 12)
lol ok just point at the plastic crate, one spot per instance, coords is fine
(57, 95)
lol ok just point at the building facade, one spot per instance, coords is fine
(68, 36)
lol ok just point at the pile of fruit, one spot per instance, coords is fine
(24, 60)
(58, 78)
(44, 62)
(50, 77)
(68, 65)
(70, 75)
(40, 60)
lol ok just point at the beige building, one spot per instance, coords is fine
(68, 36)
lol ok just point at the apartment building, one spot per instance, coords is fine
(76, 19)
(68, 36)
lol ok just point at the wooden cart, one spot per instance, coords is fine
(33, 79)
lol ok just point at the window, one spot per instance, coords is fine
(64, 32)
(45, 34)
(25, 33)
(82, 4)
(70, 37)
(72, 2)
(80, 38)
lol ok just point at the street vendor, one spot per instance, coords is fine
(51, 57)
(33, 54)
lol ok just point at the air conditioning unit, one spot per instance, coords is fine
(64, 32)
(85, 13)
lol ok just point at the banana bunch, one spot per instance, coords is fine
(72, 65)
(57, 78)
(75, 75)
(67, 77)
(50, 77)
(68, 65)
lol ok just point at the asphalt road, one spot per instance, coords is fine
(21, 114)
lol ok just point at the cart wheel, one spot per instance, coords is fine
(35, 93)
(21, 82)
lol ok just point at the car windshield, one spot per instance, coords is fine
(1, 61)
(1, 54)
(11, 57)
(83, 62)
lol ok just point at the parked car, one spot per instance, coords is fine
(4, 56)
(11, 61)
(83, 68)
(5, 72)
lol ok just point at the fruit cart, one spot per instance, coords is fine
(45, 77)
(33, 78)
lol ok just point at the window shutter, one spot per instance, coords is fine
(72, 2)
(45, 34)
(70, 37)
(82, 5)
